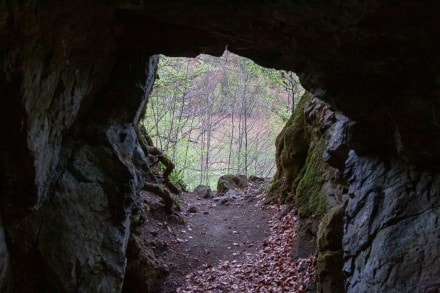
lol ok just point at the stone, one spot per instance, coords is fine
(391, 239)
(143, 269)
(192, 210)
(227, 182)
(230, 195)
(256, 179)
(92, 200)
(203, 191)
(305, 243)
(330, 255)
(337, 146)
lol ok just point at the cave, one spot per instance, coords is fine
(73, 80)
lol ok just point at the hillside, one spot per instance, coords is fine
(209, 115)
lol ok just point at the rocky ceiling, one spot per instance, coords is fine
(377, 61)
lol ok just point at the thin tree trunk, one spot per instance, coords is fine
(187, 144)
(231, 143)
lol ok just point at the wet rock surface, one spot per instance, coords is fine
(380, 241)
(391, 237)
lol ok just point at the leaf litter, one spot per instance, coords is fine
(270, 269)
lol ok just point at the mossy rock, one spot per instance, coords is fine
(330, 261)
(330, 230)
(275, 189)
(329, 271)
(309, 196)
(229, 181)
(291, 151)
(143, 270)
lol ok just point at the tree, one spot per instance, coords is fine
(210, 115)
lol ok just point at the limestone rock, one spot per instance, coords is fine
(391, 237)
(93, 203)
(256, 179)
(230, 195)
(291, 151)
(143, 269)
(203, 191)
(329, 245)
(337, 145)
(228, 182)
(314, 131)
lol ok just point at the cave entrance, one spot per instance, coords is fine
(216, 119)
(219, 115)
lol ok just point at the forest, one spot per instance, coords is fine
(209, 115)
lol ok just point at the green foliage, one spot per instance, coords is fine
(178, 179)
(279, 108)
(275, 189)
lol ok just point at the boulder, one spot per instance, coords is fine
(193, 210)
(227, 182)
(255, 179)
(203, 191)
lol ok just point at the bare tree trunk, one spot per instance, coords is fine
(187, 145)
(208, 148)
(231, 140)
(245, 135)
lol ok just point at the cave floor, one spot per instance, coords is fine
(213, 232)
(233, 247)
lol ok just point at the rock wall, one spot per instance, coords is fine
(377, 228)
(72, 83)
(391, 236)
(316, 189)
(71, 163)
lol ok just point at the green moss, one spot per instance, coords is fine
(291, 151)
(309, 197)
(274, 187)
(330, 256)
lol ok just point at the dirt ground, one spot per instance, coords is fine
(212, 232)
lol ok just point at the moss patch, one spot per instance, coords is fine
(330, 256)
(275, 190)
(309, 197)
(291, 151)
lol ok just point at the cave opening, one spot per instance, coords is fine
(214, 116)
(213, 124)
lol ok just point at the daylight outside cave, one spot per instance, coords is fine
(216, 120)
(219, 115)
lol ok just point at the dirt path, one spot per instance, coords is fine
(214, 232)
